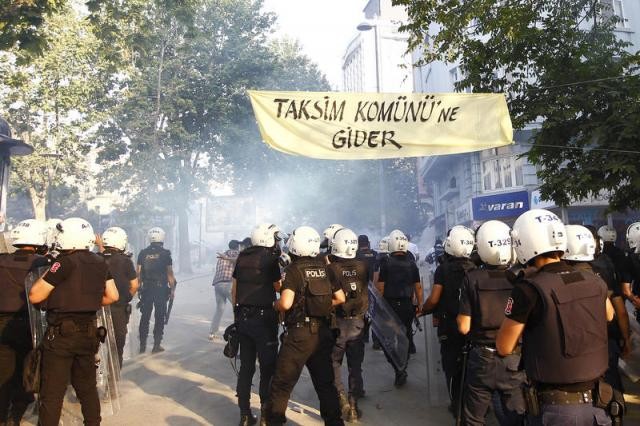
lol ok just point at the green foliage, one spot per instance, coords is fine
(562, 67)
(49, 102)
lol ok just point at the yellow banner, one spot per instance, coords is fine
(356, 126)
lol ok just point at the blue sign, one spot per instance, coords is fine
(509, 204)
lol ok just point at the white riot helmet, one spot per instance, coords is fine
(460, 241)
(304, 241)
(607, 233)
(581, 246)
(398, 241)
(52, 231)
(75, 234)
(536, 232)
(156, 235)
(383, 245)
(30, 232)
(265, 235)
(494, 243)
(330, 231)
(633, 235)
(115, 237)
(345, 244)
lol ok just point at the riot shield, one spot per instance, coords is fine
(436, 383)
(107, 376)
(131, 346)
(388, 328)
(37, 317)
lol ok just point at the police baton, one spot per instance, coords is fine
(463, 376)
(170, 305)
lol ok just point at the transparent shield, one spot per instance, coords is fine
(389, 329)
(436, 381)
(131, 346)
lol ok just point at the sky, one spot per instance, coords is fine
(323, 28)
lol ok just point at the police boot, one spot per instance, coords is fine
(344, 405)
(143, 346)
(354, 411)
(264, 409)
(248, 419)
(157, 348)
(401, 378)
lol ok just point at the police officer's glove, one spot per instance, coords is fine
(284, 260)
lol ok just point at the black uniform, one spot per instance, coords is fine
(620, 261)
(352, 275)
(603, 267)
(371, 257)
(255, 272)
(154, 290)
(450, 274)
(123, 272)
(399, 274)
(15, 334)
(484, 294)
(564, 340)
(71, 342)
(308, 341)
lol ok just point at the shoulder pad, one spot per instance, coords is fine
(518, 273)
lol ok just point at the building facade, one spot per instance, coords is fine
(500, 183)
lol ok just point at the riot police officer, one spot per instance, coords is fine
(353, 277)
(484, 294)
(114, 240)
(444, 300)
(608, 236)
(399, 282)
(583, 254)
(155, 272)
(77, 284)
(561, 314)
(29, 237)
(327, 237)
(256, 278)
(368, 255)
(307, 298)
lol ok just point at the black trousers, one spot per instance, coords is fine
(489, 374)
(69, 355)
(406, 312)
(153, 298)
(302, 346)
(349, 342)
(451, 344)
(120, 314)
(258, 335)
(15, 344)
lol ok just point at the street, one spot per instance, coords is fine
(192, 383)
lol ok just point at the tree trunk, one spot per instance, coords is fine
(184, 245)
(39, 203)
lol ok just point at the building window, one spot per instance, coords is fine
(502, 173)
(611, 8)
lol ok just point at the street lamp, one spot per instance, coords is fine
(367, 26)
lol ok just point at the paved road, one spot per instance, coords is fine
(193, 384)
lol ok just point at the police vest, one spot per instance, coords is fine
(315, 299)
(119, 264)
(352, 276)
(454, 273)
(492, 289)
(369, 256)
(253, 286)
(82, 291)
(569, 344)
(14, 269)
(154, 266)
(398, 281)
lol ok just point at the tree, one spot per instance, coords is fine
(181, 113)
(561, 66)
(50, 104)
